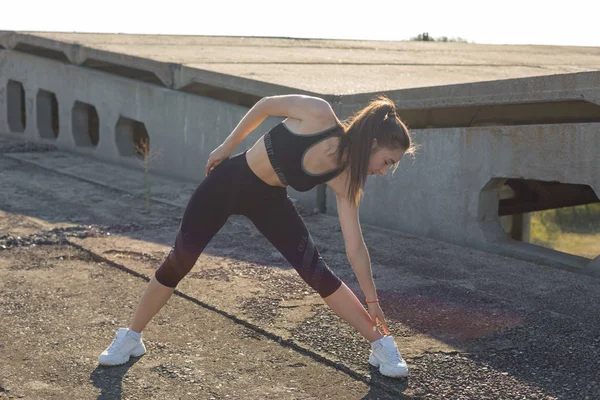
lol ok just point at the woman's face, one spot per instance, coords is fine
(382, 158)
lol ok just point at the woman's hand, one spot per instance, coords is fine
(217, 156)
(377, 316)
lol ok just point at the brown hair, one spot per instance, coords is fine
(378, 120)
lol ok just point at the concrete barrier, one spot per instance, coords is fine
(474, 139)
(100, 115)
(477, 139)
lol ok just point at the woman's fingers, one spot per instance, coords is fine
(385, 328)
(384, 324)
(373, 314)
(377, 316)
(210, 165)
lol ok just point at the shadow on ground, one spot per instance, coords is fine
(110, 379)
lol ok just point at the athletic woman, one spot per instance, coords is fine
(311, 146)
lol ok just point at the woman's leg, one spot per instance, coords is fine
(283, 226)
(155, 297)
(207, 211)
(347, 306)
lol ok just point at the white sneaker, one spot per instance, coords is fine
(122, 347)
(385, 355)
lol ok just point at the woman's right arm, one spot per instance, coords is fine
(290, 106)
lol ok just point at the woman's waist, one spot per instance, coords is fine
(263, 166)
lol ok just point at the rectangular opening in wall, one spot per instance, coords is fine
(16, 110)
(132, 138)
(47, 114)
(85, 124)
(562, 217)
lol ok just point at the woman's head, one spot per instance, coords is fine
(375, 140)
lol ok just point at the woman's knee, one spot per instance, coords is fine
(319, 276)
(177, 264)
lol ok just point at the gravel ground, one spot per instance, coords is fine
(471, 325)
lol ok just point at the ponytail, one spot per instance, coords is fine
(378, 120)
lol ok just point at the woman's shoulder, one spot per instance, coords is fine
(304, 115)
(320, 120)
(295, 106)
(311, 126)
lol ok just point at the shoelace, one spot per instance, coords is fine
(116, 342)
(392, 354)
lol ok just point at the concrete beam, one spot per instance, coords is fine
(233, 89)
(537, 196)
(41, 47)
(561, 87)
(128, 66)
(118, 64)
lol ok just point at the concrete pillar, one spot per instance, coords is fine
(526, 227)
(487, 212)
(107, 147)
(30, 89)
(520, 227)
(65, 106)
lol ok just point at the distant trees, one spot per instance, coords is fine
(424, 37)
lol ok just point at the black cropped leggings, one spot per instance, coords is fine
(232, 188)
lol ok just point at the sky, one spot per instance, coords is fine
(573, 22)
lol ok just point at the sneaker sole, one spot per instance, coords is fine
(377, 365)
(401, 375)
(135, 355)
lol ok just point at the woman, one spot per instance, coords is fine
(311, 146)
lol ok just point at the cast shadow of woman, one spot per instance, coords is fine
(110, 379)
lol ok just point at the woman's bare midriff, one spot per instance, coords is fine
(258, 161)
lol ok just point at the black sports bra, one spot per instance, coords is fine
(286, 151)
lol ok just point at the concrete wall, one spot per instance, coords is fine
(183, 129)
(450, 192)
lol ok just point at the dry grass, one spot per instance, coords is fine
(147, 156)
(584, 245)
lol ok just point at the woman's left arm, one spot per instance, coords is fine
(357, 252)
(356, 249)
